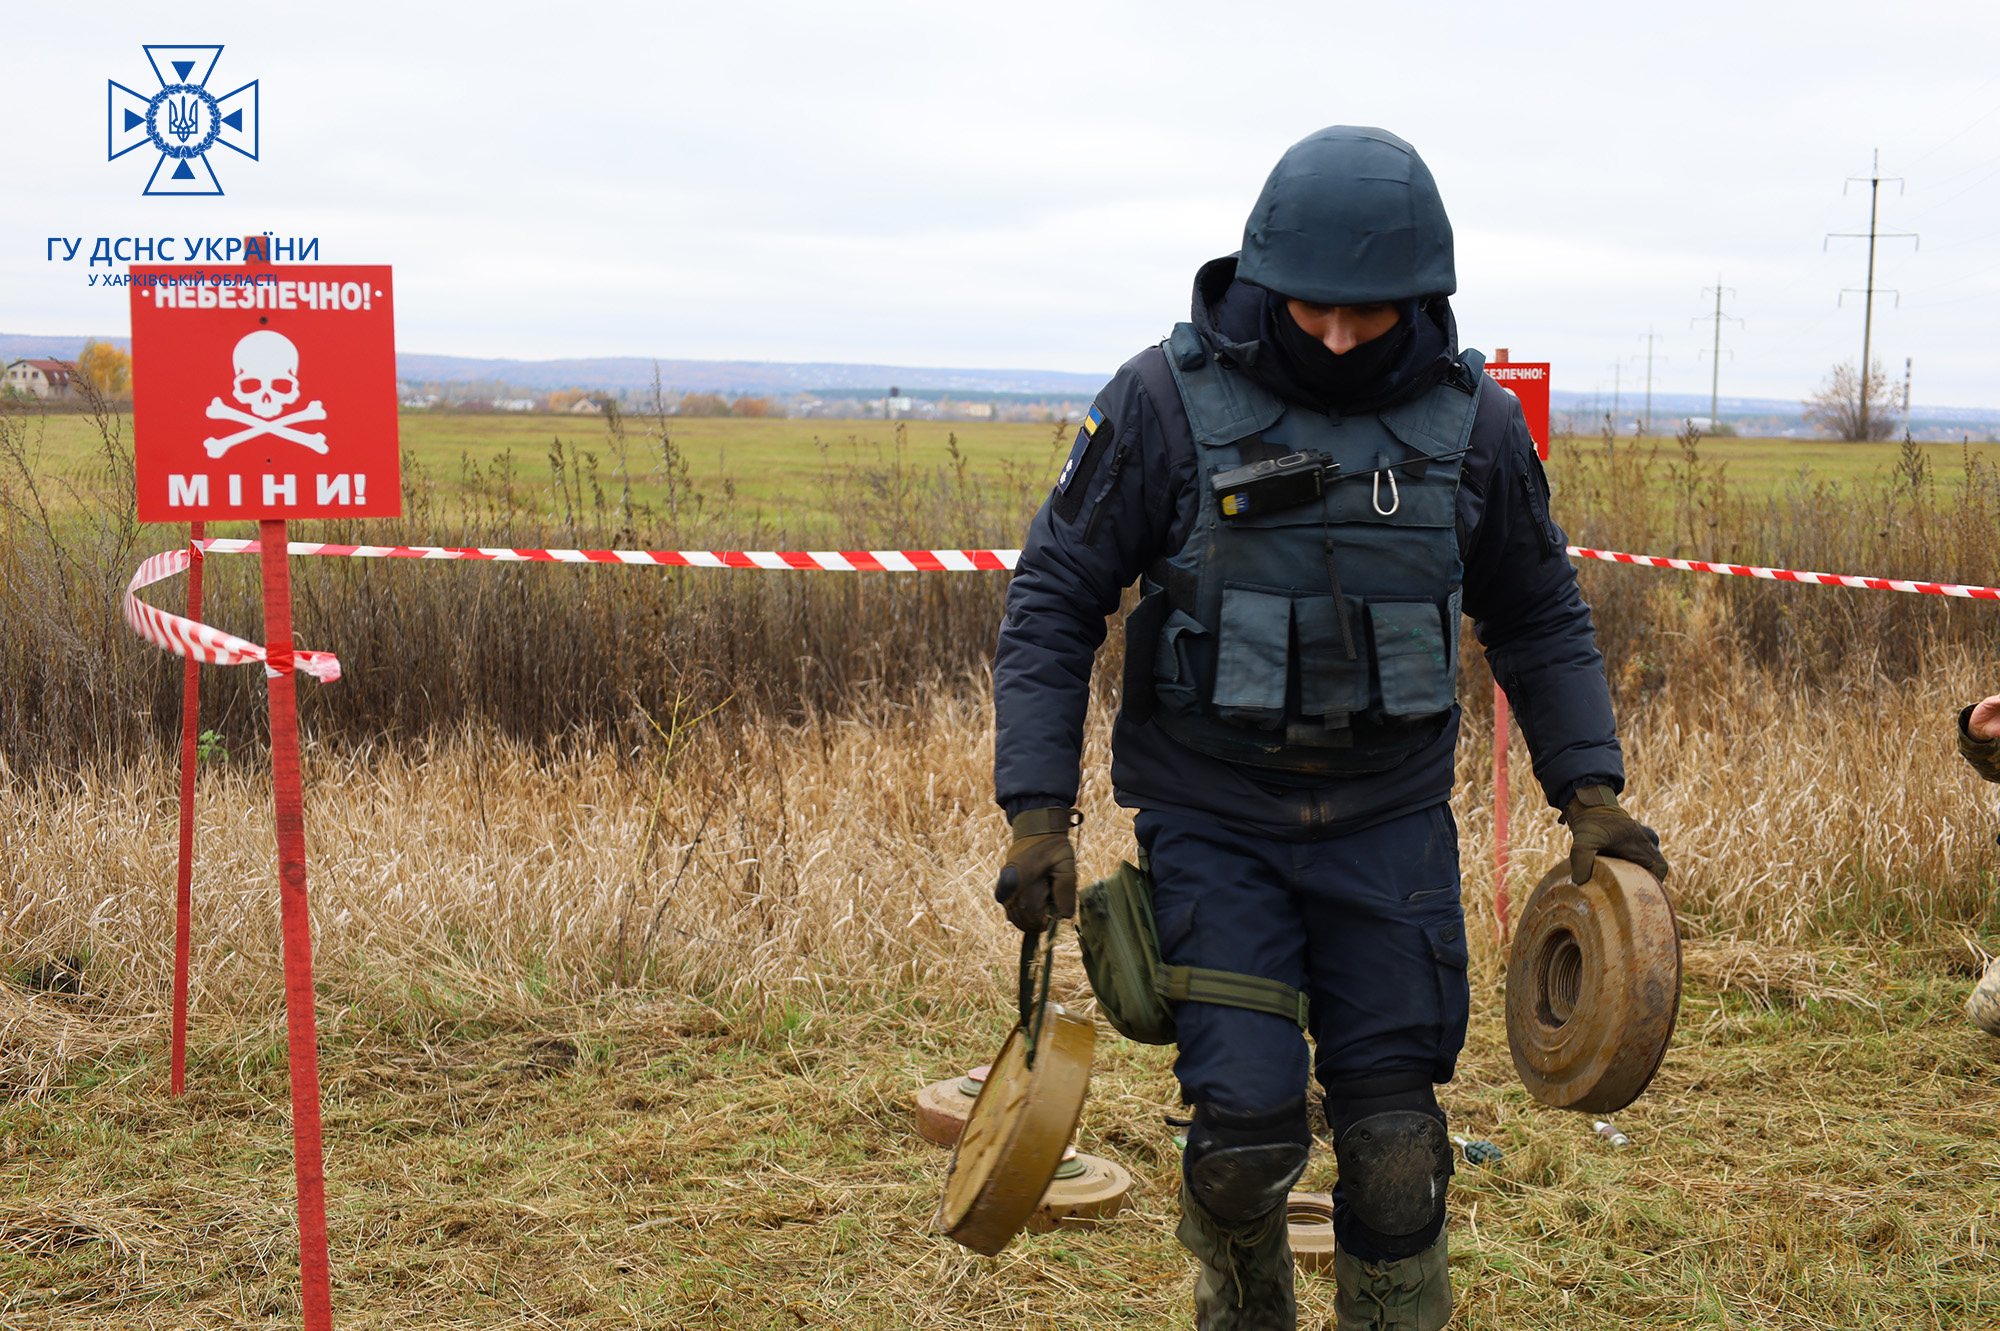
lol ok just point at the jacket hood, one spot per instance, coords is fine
(1232, 317)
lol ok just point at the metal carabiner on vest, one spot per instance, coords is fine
(1375, 494)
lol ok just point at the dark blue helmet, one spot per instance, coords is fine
(1349, 216)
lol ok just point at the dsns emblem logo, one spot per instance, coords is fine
(183, 120)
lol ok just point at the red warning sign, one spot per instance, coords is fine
(265, 393)
(1529, 382)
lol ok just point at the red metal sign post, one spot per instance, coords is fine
(267, 393)
(301, 1038)
(1528, 381)
(184, 869)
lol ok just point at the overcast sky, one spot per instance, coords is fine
(1032, 185)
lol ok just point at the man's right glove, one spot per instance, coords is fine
(1040, 872)
(1598, 826)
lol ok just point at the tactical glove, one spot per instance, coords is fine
(1983, 754)
(1598, 826)
(1040, 872)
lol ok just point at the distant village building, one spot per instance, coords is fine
(586, 406)
(517, 404)
(39, 378)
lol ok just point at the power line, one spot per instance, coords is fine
(1973, 124)
(1651, 338)
(1715, 380)
(1874, 179)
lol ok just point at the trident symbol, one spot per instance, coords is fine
(182, 120)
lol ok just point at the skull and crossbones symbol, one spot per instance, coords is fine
(267, 381)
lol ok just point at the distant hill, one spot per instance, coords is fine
(722, 376)
(1676, 405)
(622, 373)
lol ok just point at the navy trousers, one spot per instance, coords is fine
(1368, 925)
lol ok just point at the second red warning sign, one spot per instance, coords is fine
(265, 393)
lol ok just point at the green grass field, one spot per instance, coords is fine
(760, 469)
(1768, 465)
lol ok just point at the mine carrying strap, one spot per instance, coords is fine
(1196, 984)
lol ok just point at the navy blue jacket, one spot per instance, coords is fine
(1132, 501)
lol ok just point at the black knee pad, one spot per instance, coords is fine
(1239, 1166)
(1395, 1161)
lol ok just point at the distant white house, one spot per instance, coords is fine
(586, 406)
(39, 378)
(517, 404)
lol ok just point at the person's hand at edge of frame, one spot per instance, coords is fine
(1598, 826)
(1040, 873)
(1983, 723)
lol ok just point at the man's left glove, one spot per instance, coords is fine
(1040, 872)
(1598, 826)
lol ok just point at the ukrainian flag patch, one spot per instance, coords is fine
(1077, 450)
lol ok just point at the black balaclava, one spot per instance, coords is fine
(1396, 365)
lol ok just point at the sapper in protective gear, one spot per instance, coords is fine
(1309, 516)
(1040, 873)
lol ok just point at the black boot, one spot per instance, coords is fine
(1246, 1270)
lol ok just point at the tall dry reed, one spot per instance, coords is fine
(546, 654)
(466, 877)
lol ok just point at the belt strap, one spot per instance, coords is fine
(1197, 984)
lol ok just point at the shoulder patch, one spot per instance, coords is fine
(1084, 435)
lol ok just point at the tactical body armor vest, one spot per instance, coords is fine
(1318, 638)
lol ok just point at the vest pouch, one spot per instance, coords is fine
(1136, 991)
(1252, 657)
(1176, 685)
(1413, 657)
(1330, 685)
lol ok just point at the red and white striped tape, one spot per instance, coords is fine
(185, 637)
(1792, 575)
(831, 561)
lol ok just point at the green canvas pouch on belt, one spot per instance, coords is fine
(1135, 989)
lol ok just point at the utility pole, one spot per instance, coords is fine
(1874, 179)
(1715, 380)
(1617, 367)
(1907, 362)
(1651, 338)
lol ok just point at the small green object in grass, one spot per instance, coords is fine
(1478, 1153)
(209, 747)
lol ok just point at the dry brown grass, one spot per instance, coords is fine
(515, 1138)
